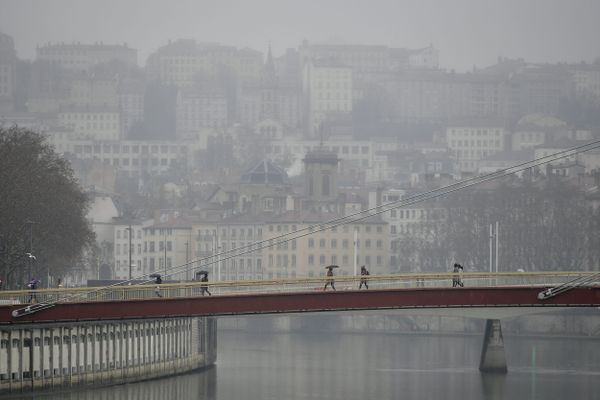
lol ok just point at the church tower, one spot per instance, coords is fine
(269, 90)
(320, 174)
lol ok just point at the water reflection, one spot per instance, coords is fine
(375, 366)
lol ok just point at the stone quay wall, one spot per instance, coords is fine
(51, 356)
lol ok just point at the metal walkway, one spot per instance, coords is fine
(297, 295)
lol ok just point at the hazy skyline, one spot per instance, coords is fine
(467, 32)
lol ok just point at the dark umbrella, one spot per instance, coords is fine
(202, 272)
(154, 275)
(332, 266)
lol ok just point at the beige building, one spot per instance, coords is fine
(307, 256)
(168, 244)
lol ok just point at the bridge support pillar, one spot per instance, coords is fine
(493, 358)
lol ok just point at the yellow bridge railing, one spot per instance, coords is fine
(150, 290)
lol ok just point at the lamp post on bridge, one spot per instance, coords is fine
(30, 255)
(129, 252)
(494, 248)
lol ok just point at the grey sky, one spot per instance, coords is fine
(467, 32)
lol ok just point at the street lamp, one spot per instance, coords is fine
(187, 261)
(129, 230)
(30, 254)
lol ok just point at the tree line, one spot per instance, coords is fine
(546, 224)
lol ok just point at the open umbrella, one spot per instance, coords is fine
(202, 272)
(332, 266)
(154, 275)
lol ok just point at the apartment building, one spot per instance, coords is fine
(327, 89)
(80, 57)
(472, 141)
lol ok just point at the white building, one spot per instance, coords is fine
(135, 157)
(181, 61)
(471, 142)
(123, 233)
(8, 60)
(96, 123)
(198, 109)
(327, 87)
(81, 57)
(587, 80)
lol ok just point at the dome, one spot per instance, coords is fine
(265, 172)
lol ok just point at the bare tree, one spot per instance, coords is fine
(41, 204)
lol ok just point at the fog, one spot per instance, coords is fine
(211, 111)
(467, 32)
(270, 140)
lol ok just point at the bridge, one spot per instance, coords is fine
(484, 295)
(112, 330)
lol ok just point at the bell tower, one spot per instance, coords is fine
(320, 174)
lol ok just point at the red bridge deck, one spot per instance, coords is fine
(314, 301)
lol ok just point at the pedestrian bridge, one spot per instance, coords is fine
(56, 338)
(484, 295)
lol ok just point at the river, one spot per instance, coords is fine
(311, 365)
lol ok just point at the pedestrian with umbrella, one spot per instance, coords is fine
(158, 281)
(330, 280)
(456, 281)
(363, 280)
(33, 283)
(203, 278)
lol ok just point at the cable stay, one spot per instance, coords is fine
(30, 309)
(567, 286)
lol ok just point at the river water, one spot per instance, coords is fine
(311, 365)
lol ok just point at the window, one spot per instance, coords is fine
(322, 243)
(311, 243)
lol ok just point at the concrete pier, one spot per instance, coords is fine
(46, 356)
(493, 357)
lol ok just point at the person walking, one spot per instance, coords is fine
(204, 286)
(363, 281)
(456, 281)
(33, 286)
(330, 280)
(158, 281)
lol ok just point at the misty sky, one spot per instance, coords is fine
(467, 32)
